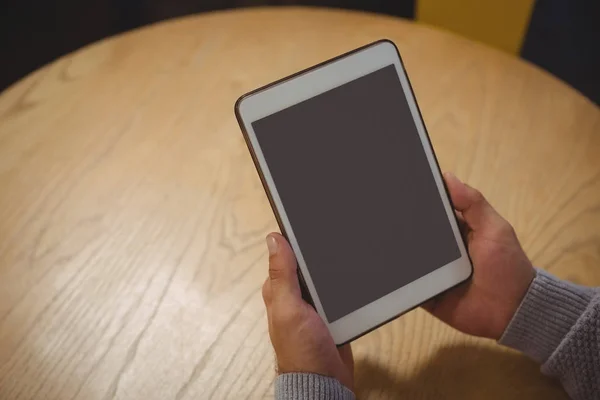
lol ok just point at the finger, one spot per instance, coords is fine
(431, 304)
(346, 356)
(463, 227)
(266, 291)
(475, 209)
(282, 269)
(460, 218)
(444, 304)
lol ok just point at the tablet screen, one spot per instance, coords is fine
(358, 191)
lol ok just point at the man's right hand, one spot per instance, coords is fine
(299, 335)
(502, 272)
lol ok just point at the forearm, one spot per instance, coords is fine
(304, 386)
(558, 325)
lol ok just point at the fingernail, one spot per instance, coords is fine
(272, 245)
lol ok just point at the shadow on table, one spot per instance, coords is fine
(462, 372)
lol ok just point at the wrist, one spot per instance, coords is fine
(517, 293)
(328, 368)
(298, 385)
(546, 314)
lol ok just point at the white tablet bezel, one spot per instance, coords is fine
(308, 84)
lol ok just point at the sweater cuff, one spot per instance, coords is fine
(305, 386)
(546, 314)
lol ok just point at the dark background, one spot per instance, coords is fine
(563, 36)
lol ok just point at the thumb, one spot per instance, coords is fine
(475, 209)
(283, 277)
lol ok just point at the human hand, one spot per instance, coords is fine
(299, 336)
(502, 272)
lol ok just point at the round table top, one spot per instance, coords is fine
(132, 219)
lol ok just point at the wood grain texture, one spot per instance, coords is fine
(132, 219)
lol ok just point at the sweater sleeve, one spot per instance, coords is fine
(558, 325)
(304, 386)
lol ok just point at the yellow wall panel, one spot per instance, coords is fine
(500, 23)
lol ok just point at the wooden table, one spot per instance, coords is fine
(132, 219)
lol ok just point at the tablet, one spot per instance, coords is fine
(346, 162)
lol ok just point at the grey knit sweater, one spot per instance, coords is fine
(557, 324)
